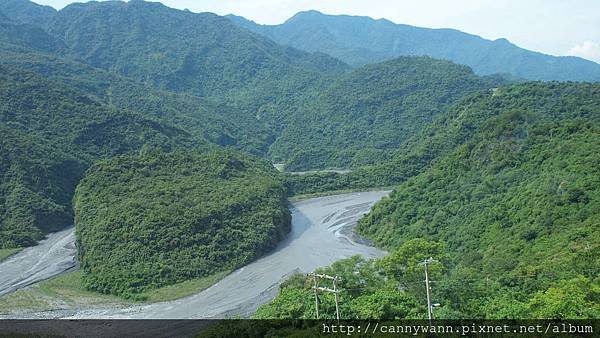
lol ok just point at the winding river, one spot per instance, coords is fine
(321, 234)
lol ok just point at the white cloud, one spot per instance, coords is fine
(588, 50)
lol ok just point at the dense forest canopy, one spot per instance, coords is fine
(516, 201)
(216, 123)
(180, 51)
(152, 220)
(359, 129)
(367, 113)
(51, 133)
(27, 12)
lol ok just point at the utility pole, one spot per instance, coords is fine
(335, 294)
(317, 288)
(316, 294)
(429, 307)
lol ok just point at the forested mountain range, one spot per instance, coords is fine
(27, 35)
(492, 177)
(361, 40)
(218, 124)
(315, 97)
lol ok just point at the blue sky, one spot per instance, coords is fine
(557, 27)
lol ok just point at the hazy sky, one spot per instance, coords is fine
(558, 27)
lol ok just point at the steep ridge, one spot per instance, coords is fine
(361, 40)
(28, 35)
(366, 114)
(219, 124)
(202, 54)
(508, 200)
(51, 133)
(507, 206)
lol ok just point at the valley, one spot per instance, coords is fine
(207, 162)
(321, 234)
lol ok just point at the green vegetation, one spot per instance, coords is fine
(387, 288)
(365, 114)
(508, 205)
(63, 292)
(500, 183)
(6, 253)
(23, 34)
(195, 53)
(27, 11)
(50, 135)
(218, 124)
(508, 201)
(63, 142)
(157, 219)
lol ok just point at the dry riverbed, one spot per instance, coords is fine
(321, 234)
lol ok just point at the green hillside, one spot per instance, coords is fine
(216, 123)
(23, 34)
(364, 115)
(139, 123)
(152, 220)
(202, 54)
(51, 133)
(510, 213)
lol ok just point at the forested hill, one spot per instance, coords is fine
(518, 203)
(362, 40)
(27, 35)
(203, 54)
(364, 115)
(50, 134)
(313, 120)
(180, 216)
(510, 213)
(217, 123)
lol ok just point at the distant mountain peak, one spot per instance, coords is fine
(360, 40)
(305, 15)
(310, 12)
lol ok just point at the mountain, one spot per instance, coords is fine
(180, 51)
(508, 200)
(362, 40)
(28, 12)
(216, 123)
(364, 115)
(51, 133)
(28, 35)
